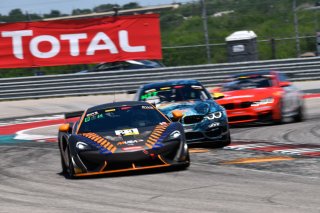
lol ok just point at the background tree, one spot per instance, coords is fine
(105, 8)
(130, 5)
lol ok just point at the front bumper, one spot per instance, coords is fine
(251, 114)
(209, 132)
(87, 163)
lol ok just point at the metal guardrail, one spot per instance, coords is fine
(110, 82)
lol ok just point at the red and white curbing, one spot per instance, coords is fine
(309, 150)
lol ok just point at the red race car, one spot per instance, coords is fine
(259, 96)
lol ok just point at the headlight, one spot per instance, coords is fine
(213, 115)
(269, 100)
(175, 134)
(82, 145)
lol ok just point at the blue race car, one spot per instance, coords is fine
(190, 103)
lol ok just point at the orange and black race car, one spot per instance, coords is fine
(121, 136)
(260, 96)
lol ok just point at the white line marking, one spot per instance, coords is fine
(24, 135)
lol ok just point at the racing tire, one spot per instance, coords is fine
(186, 164)
(299, 116)
(63, 165)
(69, 169)
(280, 119)
(225, 142)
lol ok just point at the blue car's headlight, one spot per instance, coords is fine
(213, 115)
(174, 135)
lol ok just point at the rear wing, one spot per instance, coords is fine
(73, 114)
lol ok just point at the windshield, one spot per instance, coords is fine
(174, 93)
(247, 82)
(151, 63)
(118, 118)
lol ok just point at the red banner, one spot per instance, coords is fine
(81, 41)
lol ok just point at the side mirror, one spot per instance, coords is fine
(177, 115)
(64, 128)
(217, 95)
(285, 84)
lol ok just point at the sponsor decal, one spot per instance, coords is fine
(110, 110)
(147, 107)
(149, 95)
(92, 114)
(150, 90)
(93, 117)
(125, 107)
(81, 41)
(132, 148)
(130, 142)
(214, 124)
(196, 87)
(165, 88)
(127, 132)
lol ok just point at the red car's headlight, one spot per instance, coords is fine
(265, 101)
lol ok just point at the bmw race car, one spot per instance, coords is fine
(202, 118)
(121, 136)
(261, 96)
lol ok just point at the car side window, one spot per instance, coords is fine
(103, 67)
(109, 66)
(128, 66)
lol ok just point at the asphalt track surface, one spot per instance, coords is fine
(254, 174)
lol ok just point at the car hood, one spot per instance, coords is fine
(248, 95)
(189, 107)
(129, 139)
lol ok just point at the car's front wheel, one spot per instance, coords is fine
(227, 141)
(63, 165)
(279, 120)
(300, 115)
(69, 169)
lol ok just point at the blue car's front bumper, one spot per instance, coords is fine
(207, 131)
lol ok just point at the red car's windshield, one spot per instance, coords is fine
(247, 82)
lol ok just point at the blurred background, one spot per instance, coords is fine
(195, 32)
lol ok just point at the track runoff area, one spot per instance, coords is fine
(43, 129)
(272, 168)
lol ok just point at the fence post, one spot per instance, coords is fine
(205, 29)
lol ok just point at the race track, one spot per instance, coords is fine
(273, 168)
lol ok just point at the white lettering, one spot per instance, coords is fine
(108, 44)
(74, 42)
(17, 41)
(124, 43)
(34, 46)
(100, 41)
